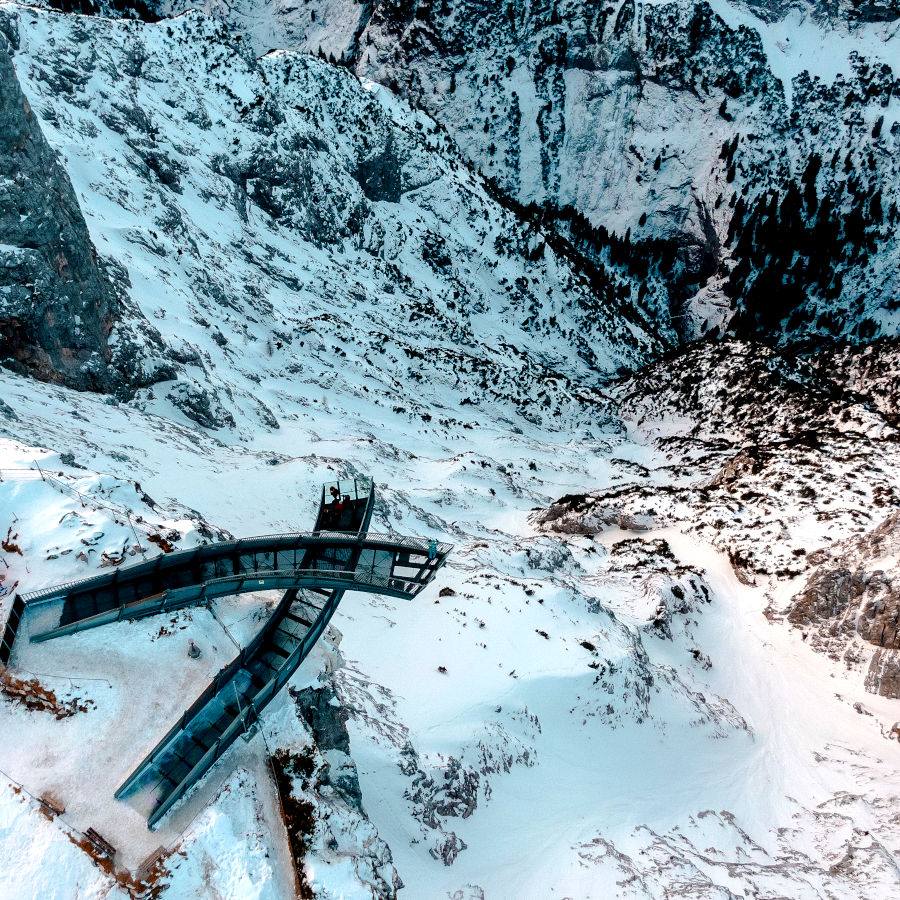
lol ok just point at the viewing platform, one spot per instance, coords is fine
(314, 569)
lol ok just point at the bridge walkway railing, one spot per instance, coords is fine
(324, 564)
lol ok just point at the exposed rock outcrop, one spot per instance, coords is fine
(786, 457)
(328, 722)
(854, 592)
(199, 405)
(58, 303)
(329, 785)
(582, 514)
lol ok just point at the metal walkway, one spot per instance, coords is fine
(381, 563)
(315, 568)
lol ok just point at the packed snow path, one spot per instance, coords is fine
(316, 568)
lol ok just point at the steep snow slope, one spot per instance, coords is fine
(284, 191)
(686, 122)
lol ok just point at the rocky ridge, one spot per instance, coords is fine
(685, 142)
(327, 780)
(851, 603)
(758, 176)
(64, 315)
(776, 461)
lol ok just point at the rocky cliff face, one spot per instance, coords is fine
(851, 603)
(748, 150)
(58, 303)
(681, 122)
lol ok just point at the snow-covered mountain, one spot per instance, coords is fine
(756, 142)
(287, 192)
(662, 658)
(748, 151)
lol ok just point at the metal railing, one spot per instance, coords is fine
(12, 626)
(254, 707)
(418, 558)
(209, 552)
(223, 677)
(111, 506)
(178, 598)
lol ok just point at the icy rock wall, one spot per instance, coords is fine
(756, 142)
(58, 303)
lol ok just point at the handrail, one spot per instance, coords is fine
(228, 737)
(269, 579)
(409, 572)
(224, 548)
(12, 626)
(223, 676)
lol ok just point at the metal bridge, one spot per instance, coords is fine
(314, 568)
(398, 566)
